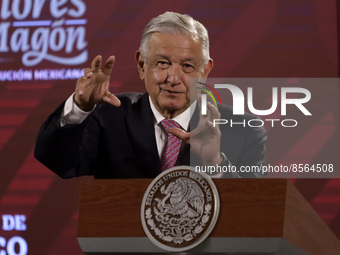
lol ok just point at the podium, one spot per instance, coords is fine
(257, 216)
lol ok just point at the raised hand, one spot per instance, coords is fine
(93, 87)
(205, 139)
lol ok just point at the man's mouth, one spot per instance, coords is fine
(172, 91)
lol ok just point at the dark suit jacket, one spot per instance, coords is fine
(119, 142)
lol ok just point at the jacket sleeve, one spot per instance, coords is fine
(253, 153)
(63, 149)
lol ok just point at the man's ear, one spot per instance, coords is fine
(140, 64)
(208, 67)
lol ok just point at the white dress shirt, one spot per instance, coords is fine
(72, 114)
(161, 135)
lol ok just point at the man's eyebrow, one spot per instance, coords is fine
(162, 56)
(188, 60)
(182, 60)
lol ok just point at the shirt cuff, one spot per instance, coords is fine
(72, 114)
(225, 163)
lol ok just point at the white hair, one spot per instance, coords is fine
(175, 23)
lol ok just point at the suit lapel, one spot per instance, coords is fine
(140, 122)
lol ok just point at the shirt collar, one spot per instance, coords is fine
(183, 119)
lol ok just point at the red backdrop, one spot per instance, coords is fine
(249, 38)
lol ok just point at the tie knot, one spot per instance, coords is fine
(169, 124)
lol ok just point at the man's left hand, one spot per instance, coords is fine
(205, 139)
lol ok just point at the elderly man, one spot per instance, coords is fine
(134, 135)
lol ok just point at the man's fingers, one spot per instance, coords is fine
(214, 129)
(108, 65)
(181, 134)
(213, 111)
(111, 99)
(96, 66)
(88, 73)
(96, 63)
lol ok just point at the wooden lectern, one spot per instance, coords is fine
(257, 216)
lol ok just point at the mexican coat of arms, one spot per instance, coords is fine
(179, 209)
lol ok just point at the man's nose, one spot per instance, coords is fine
(174, 75)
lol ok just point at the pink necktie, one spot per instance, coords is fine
(173, 146)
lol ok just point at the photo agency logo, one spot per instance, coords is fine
(40, 30)
(281, 99)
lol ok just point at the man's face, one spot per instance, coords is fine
(171, 61)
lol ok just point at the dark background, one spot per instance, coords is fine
(249, 38)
